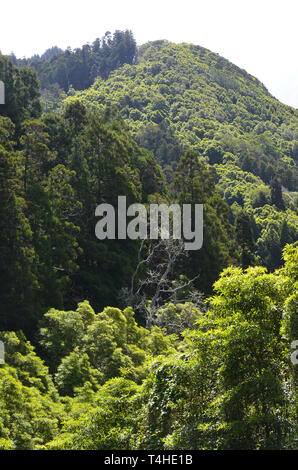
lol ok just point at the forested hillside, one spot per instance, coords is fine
(181, 97)
(123, 344)
(206, 103)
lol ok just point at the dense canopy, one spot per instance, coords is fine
(123, 344)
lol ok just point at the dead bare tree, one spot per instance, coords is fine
(148, 293)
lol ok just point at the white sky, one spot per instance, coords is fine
(257, 35)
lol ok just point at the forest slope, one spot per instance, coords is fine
(179, 97)
(184, 95)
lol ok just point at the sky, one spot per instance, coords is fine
(257, 35)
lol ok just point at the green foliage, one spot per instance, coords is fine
(17, 273)
(194, 184)
(63, 331)
(227, 384)
(74, 371)
(30, 407)
(82, 346)
(213, 376)
(79, 68)
(230, 387)
(177, 317)
(108, 424)
(196, 99)
(50, 186)
(244, 235)
(21, 94)
(181, 97)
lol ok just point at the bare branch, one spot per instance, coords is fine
(158, 287)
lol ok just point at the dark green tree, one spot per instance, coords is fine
(244, 237)
(276, 194)
(194, 184)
